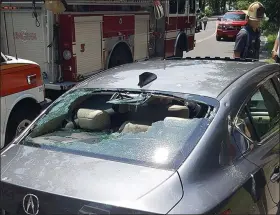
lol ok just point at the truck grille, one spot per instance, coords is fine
(233, 28)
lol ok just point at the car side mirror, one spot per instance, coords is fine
(219, 18)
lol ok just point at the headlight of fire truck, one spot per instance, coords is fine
(67, 55)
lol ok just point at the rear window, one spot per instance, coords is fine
(138, 128)
(234, 17)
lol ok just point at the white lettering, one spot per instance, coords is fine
(25, 36)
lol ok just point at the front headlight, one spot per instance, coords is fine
(67, 55)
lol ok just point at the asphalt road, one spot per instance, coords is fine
(206, 44)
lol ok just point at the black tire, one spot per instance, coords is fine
(218, 38)
(24, 116)
(179, 52)
(119, 57)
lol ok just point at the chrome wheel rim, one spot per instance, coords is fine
(22, 126)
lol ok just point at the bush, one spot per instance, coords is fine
(208, 11)
(269, 28)
(270, 41)
(243, 4)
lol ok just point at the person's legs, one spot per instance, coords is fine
(205, 23)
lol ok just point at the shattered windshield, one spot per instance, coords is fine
(134, 127)
(234, 17)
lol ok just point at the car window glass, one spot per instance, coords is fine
(172, 6)
(126, 127)
(264, 107)
(234, 16)
(181, 6)
(240, 143)
(192, 6)
(178, 6)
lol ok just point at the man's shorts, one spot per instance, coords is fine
(277, 60)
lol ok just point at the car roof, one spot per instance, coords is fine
(200, 77)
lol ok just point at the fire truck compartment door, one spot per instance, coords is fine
(21, 36)
(141, 37)
(88, 44)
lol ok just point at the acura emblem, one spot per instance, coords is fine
(30, 204)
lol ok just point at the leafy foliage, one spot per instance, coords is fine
(211, 7)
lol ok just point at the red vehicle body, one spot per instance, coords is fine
(230, 24)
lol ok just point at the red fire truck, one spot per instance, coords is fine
(94, 35)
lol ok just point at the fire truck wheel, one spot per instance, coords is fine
(181, 46)
(20, 118)
(120, 55)
(179, 52)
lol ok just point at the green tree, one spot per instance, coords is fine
(243, 4)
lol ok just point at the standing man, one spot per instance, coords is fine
(247, 43)
(205, 20)
(276, 49)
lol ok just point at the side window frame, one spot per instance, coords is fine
(257, 140)
(178, 11)
(276, 82)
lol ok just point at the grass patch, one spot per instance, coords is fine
(269, 61)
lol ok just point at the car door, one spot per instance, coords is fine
(261, 117)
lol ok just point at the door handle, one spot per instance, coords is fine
(275, 176)
(31, 79)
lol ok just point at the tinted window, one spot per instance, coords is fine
(234, 17)
(264, 108)
(159, 131)
(181, 6)
(192, 6)
(262, 113)
(175, 5)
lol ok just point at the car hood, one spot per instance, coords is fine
(87, 180)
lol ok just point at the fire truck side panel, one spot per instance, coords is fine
(141, 37)
(175, 25)
(23, 38)
(117, 25)
(170, 39)
(67, 36)
(88, 44)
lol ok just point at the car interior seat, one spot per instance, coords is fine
(174, 111)
(94, 120)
